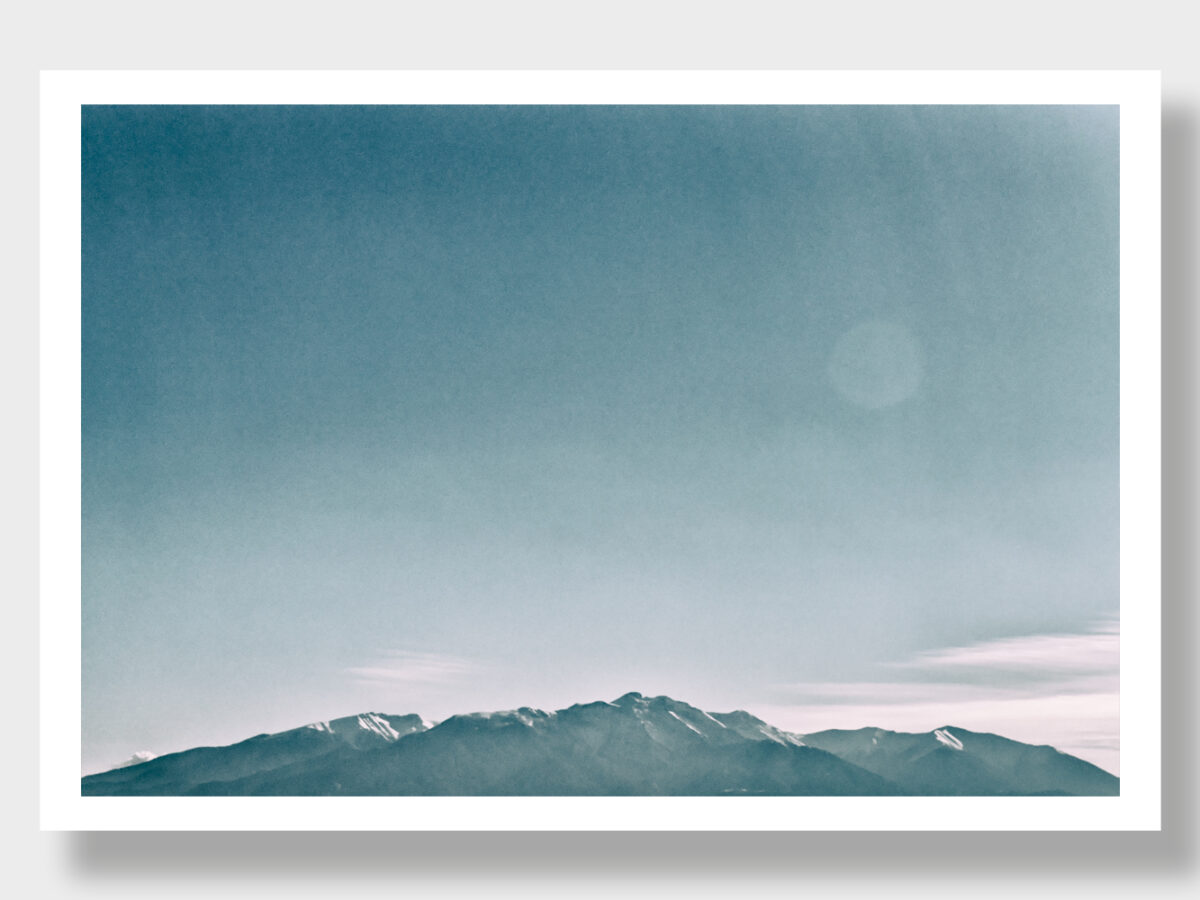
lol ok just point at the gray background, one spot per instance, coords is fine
(914, 35)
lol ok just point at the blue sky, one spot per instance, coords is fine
(431, 409)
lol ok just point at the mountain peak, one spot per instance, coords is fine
(368, 726)
(525, 715)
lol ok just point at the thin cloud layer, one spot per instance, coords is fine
(413, 668)
(1045, 655)
(1058, 689)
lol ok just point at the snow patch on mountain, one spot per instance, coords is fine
(711, 719)
(675, 715)
(379, 725)
(948, 739)
(754, 728)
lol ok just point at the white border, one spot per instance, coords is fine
(62, 808)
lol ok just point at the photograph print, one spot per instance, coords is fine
(600, 450)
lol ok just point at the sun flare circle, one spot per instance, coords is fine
(876, 364)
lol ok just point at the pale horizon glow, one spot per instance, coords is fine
(1057, 689)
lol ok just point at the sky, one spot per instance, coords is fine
(809, 411)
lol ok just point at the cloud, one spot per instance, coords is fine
(1058, 689)
(1048, 656)
(412, 668)
(140, 756)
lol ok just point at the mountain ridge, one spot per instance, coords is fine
(634, 745)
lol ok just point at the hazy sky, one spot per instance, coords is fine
(810, 411)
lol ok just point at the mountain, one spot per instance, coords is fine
(955, 761)
(181, 773)
(632, 746)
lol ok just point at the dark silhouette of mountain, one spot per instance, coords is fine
(955, 761)
(180, 773)
(634, 745)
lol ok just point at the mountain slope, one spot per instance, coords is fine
(955, 761)
(178, 773)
